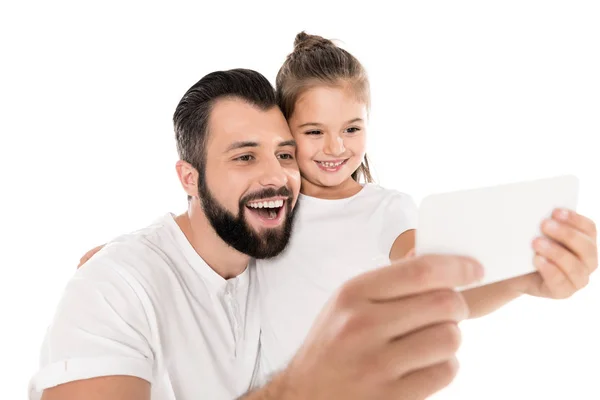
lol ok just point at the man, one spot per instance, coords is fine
(170, 312)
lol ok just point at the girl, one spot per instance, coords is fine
(344, 227)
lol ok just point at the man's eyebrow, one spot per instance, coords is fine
(241, 145)
(318, 124)
(287, 143)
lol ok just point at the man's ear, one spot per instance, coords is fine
(188, 176)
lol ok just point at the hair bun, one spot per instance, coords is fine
(304, 41)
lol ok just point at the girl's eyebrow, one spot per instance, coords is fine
(319, 124)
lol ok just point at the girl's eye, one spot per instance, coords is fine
(352, 130)
(315, 132)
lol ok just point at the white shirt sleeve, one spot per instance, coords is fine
(401, 214)
(100, 328)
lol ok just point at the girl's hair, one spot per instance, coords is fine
(317, 61)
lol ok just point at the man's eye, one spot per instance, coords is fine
(246, 157)
(286, 156)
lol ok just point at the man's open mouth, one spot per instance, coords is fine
(269, 210)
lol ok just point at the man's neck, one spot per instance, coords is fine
(222, 258)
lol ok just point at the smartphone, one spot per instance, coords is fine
(495, 225)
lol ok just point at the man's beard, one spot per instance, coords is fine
(237, 232)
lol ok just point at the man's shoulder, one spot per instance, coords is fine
(144, 255)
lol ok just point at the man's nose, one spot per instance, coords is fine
(273, 174)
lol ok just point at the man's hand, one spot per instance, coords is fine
(89, 255)
(387, 334)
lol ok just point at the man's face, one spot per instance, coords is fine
(251, 179)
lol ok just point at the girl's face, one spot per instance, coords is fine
(329, 126)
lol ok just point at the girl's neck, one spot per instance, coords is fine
(346, 189)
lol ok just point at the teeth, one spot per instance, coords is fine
(266, 204)
(330, 164)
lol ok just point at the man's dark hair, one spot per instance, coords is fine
(193, 111)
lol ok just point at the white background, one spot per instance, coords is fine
(465, 94)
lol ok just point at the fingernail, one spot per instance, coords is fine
(542, 243)
(562, 214)
(478, 271)
(540, 260)
(552, 225)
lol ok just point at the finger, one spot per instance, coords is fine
(397, 318)
(577, 221)
(554, 281)
(84, 259)
(412, 276)
(421, 349)
(422, 384)
(89, 255)
(573, 268)
(579, 243)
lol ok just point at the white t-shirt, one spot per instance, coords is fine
(148, 306)
(332, 241)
